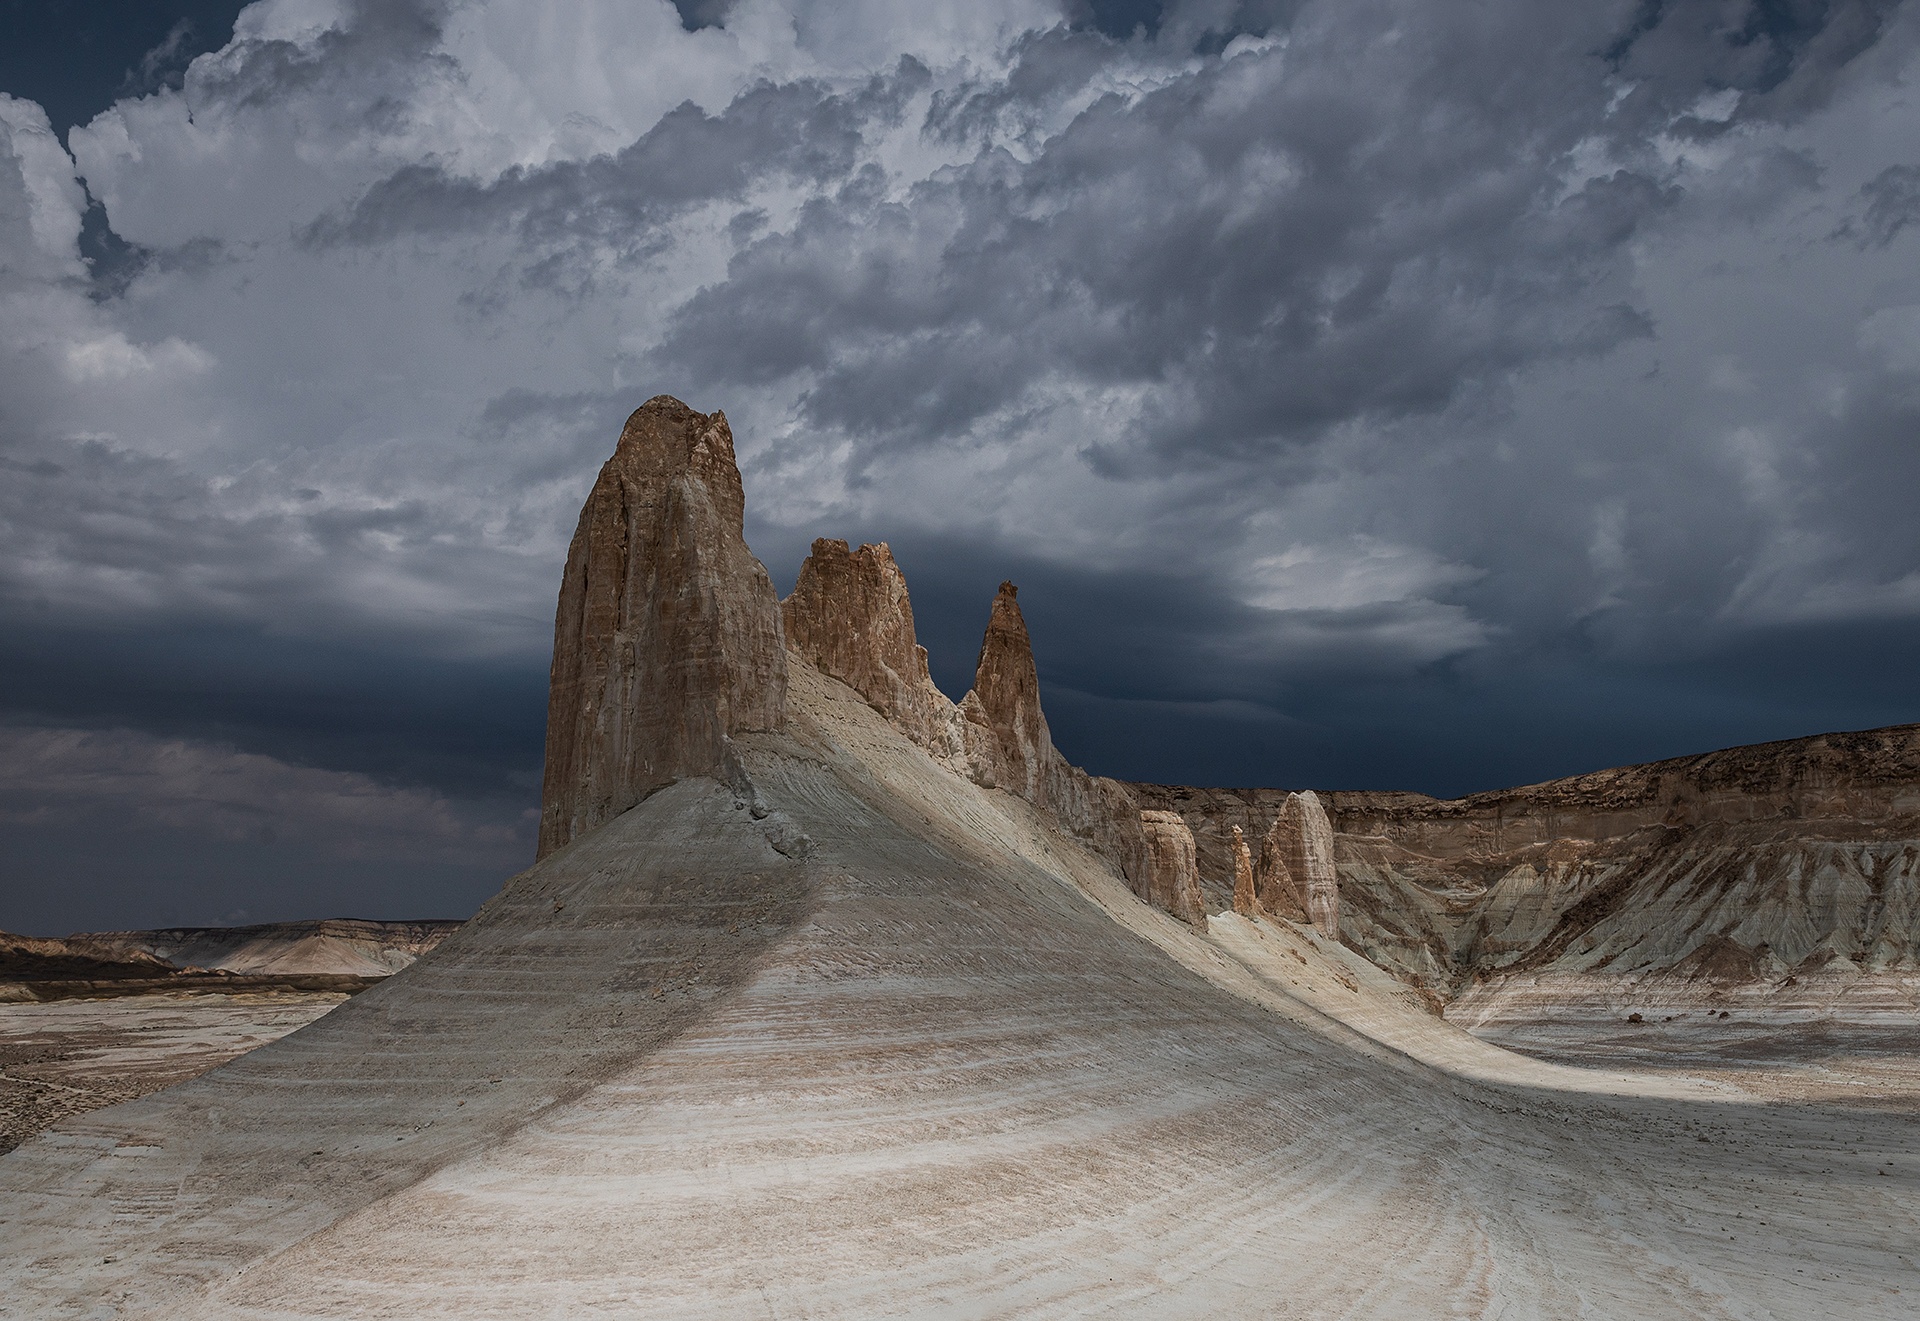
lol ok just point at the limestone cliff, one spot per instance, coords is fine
(1761, 866)
(849, 615)
(1173, 874)
(1244, 896)
(667, 639)
(1296, 877)
(1008, 686)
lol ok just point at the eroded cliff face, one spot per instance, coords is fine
(1173, 873)
(667, 639)
(850, 616)
(1772, 867)
(1008, 687)
(669, 642)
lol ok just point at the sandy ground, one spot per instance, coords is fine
(894, 1048)
(72, 1056)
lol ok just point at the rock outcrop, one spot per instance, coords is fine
(1764, 860)
(850, 617)
(1296, 877)
(667, 639)
(1007, 684)
(1245, 902)
(1173, 873)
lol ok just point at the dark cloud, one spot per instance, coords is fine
(798, 130)
(1893, 202)
(1275, 246)
(1367, 394)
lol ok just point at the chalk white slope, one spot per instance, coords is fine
(861, 1039)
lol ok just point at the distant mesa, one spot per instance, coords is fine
(342, 955)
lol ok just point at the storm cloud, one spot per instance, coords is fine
(1380, 394)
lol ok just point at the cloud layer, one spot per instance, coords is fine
(1377, 393)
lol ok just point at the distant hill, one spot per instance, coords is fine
(334, 954)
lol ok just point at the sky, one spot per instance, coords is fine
(1366, 394)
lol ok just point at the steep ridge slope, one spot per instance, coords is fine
(832, 1029)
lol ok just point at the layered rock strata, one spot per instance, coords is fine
(1173, 873)
(1755, 867)
(667, 639)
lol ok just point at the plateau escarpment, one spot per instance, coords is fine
(857, 1010)
(341, 955)
(1778, 872)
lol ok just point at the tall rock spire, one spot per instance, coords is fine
(1008, 688)
(667, 638)
(1244, 902)
(849, 615)
(1297, 875)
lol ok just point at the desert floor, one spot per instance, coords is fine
(72, 1056)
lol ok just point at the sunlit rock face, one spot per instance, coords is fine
(1008, 687)
(1787, 870)
(849, 615)
(667, 639)
(1244, 901)
(1296, 877)
(1173, 873)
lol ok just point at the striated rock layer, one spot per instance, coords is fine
(667, 638)
(1763, 866)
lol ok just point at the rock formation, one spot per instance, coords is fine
(667, 639)
(1244, 902)
(1275, 889)
(1173, 873)
(849, 615)
(1297, 877)
(942, 1055)
(1008, 687)
(1765, 859)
